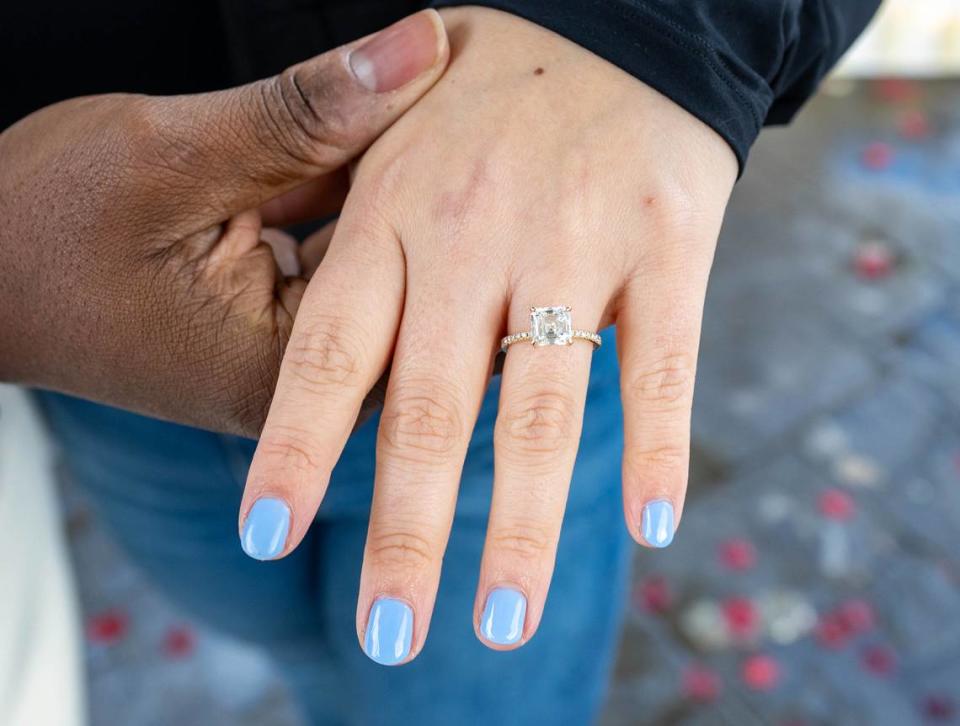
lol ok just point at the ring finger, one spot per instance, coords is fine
(536, 439)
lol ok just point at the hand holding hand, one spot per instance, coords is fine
(134, 271)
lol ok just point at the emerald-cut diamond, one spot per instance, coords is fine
(551, 326)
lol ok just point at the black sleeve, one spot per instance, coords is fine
(735, 64)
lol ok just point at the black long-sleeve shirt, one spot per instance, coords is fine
(735, 64)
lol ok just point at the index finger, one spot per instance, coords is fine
(340, 346)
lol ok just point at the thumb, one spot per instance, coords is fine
(216, 154)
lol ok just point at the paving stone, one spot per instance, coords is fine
(870, 308)
(877, 433)
(774, 508)
(766, 378)
(918, 601)
(835, 689)
(933, 693)
(931, 352)
(922, 503)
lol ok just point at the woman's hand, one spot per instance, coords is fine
(533, 174)
(134, 270)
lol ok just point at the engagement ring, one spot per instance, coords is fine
(551, 326)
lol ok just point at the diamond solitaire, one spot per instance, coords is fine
(551, 326)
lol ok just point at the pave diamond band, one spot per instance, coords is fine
(574, 335)
(551, 326)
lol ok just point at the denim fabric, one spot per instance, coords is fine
(170, 494)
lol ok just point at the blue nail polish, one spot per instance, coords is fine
(389, 632)
(657, 523)
(503, 616)
(266, 529)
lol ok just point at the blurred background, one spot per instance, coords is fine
(816, 579)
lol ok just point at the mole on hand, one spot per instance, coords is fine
(538, 72)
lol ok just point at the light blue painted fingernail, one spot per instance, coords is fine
(389, 632)
(503, 616)
(266, 529)
(657, 523)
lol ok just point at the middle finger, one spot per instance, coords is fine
(442, 363)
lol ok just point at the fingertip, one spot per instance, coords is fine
(503, 621)
(653, 521)
(658, 523)
(266, 529)
(387, 636)
(443, 38)
(401, 53)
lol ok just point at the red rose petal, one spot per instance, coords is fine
(654, 595)
(761, 672)
(831, 633)
(879, 660)
(737, 554)
(701, 684)
(179, 642)
(914, 125)
(877, 156)
(857, 616)
(108, 627)
(874, 261)
(836, 504)
(939, 707)
(741, 616)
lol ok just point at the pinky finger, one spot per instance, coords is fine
(658, 340)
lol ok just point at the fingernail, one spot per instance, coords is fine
(266, 529)
(503, 616)
(389, 632)
(657, 523)
(397, 55)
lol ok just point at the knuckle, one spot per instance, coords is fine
(527, 542)
(305, 117)
(249, 402)
(290, 449)
(140, 120)
(664, 458)
(672, 206)
(420, 420)
(324, 357)
(541, 424)
(402, 550)
(666, 385)
(680, 217)
(662, 470)
(156, 143)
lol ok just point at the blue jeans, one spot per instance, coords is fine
(170, 494)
